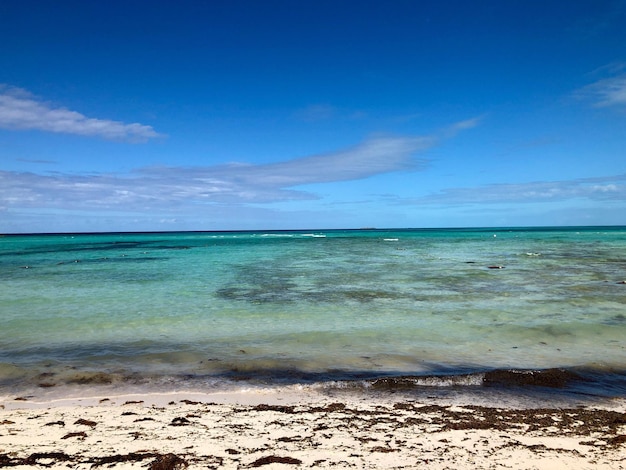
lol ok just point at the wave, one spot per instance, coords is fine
(553, 382)
(551, 378)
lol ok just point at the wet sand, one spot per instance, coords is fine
(275, 432)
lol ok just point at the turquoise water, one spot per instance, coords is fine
(312, 306)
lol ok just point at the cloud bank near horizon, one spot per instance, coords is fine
(609, 188)
(186, 190)
(168, 188)
(20, 110)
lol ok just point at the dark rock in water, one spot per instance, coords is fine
(87, 378)
(553, 378)
(394, 383)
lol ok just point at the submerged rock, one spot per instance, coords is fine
(553, 378)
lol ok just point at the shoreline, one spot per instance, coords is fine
(304, 430)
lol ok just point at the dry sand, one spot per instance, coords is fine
(176, 431)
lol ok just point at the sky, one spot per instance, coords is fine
(311, 114)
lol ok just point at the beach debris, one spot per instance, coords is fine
(335, 407)
(297, 438)
(617, 440)
(33, 459)
(82, 434)
(330, 408)
(275, 459)
(119, 458)
(147, 418)
(168, 462)
(86, 422)
(180, 421)
(384, 450)
(496, 266)
(55, 423)
(401, 428)
(278, 408)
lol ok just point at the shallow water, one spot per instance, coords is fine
(314, 307)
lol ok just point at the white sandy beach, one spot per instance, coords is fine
(242, 431)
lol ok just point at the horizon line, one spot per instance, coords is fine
(459, 228)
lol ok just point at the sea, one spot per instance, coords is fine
(530, 314)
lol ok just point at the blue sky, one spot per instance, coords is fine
(237, 115)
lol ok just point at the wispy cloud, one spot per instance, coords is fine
(19, 110)
(605, 92)
(610, 188)
(169, 188)
(36, 160)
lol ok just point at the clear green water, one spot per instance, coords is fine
(318, 305)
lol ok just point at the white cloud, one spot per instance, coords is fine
(218, 197)
(606, 92)
(611, 188)
(20, 110)
(467, 124)
(172, 188)
(375, 156)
